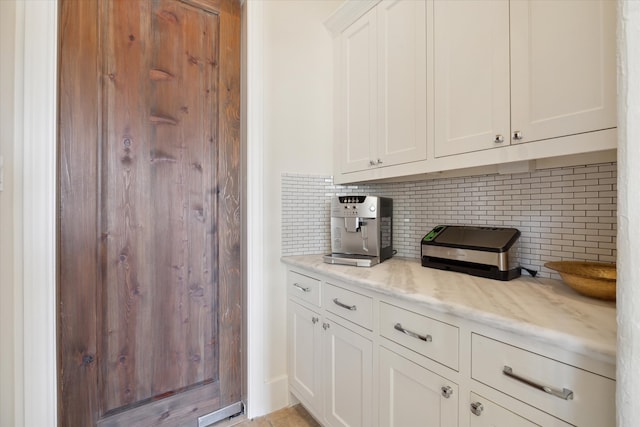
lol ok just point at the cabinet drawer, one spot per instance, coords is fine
(304, 287)
(570, 393)
(352, 306)
(429, 337)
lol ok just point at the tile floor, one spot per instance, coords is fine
(294, 416)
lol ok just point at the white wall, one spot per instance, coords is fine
(297, 130)
(7, 63)
(628, 301)
(296, 136)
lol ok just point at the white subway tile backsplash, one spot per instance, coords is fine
(562, 213)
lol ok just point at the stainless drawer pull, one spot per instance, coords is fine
(565, 393)
(302, 288)
(426, 338)
(348, 307)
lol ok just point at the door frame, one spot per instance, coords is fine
(258, 401)
(35, 143)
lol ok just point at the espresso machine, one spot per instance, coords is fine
(361, 230)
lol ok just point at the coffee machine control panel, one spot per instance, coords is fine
(355, 206)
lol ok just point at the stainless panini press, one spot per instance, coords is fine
(480, 251)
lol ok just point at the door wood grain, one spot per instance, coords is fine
(149, 281)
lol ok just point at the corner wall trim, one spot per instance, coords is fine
(36, 28)
(256, 395)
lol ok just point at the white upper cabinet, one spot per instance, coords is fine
(424, 86)
(358, 104)
(563, 65)
(402, 82)
(521, 71)
(382, 87)
(472, 75)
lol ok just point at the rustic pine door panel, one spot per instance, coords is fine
(149, 278)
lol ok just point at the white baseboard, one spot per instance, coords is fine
(273, 396)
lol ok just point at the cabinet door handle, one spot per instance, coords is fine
(477, 408)
(301, 288)
(314, 320)
(426, 338)
(343, 305)
(517, 135)
(565, 393)
(498, 139)
(325, 326)
(379, 162)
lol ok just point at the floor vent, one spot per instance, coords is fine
(221, 414)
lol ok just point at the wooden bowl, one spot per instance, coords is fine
(593, 279)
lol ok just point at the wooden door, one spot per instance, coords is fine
(149, 285)
(471, 40)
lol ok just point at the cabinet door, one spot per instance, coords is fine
(348, 377)
(563, 67)
(402, 81)
(471, 66)
(411, 395)
(489, 414)
(357, 114)
(305, 353)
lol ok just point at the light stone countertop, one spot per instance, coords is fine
(544, 309)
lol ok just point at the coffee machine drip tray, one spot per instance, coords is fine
(352, 259)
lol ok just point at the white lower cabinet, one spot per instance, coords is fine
(330, 366)
(489, 414)
(330, 369)
(362, 359)
(348, 387)
(562, 390)
(305, 339)
(411, 395)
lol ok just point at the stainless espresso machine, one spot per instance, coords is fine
(361, 230)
